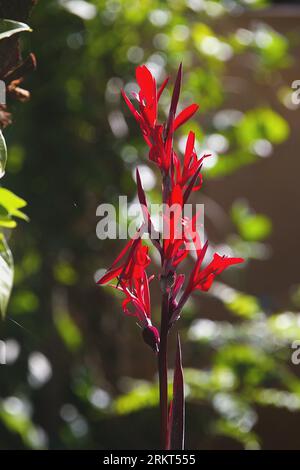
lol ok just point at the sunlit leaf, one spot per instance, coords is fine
(9, 27)
(68, 330)
(255, 227)
(244, 305)
(142, 396)
(251, 226)
(3, 154)
(24, 301)
(6, 275)
(65, 273)
(10, 206)
(262, 123)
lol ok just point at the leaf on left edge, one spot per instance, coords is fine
(6, 275)
(3, 154)
(177, 410)
(10, 205)
(9, 27)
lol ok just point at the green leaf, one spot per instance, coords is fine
(9, 27)
(10, 206)
(246, 306)
(65, 273)
(256, 227)
(143, 396)
(7, 222)
(251, 226)
(3, 154)
(68, 330)
(6, 275)
(262, 123)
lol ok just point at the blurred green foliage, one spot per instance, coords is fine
(70, 354)
(10, 204)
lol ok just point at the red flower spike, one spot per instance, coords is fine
(179, 179)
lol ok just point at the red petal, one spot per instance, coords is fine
(174, 101)
(185, 115)
(215, 267)
(122, 253)
(178, 284)
(146, 83)
(197, 267)
(147, 94)
(222, 262)
(135, 113)
(108, 276)
(144, 205)
(191, 185)
(146, 294)
(176, 91)
(140, 189)
(189, 148)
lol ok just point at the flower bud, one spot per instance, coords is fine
(151, 337)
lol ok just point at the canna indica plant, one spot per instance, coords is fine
(179, 177)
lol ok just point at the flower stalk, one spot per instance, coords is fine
(163, 370)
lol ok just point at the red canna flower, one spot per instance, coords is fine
(191, 166)
(124, 265)
(158, 137)
(137, 304)
(203, 279)
(147, 99)
(134, 283)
